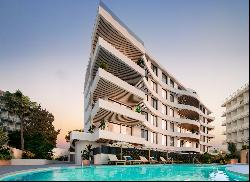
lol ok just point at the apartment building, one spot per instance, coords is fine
(8, 122)
(139, 101)
(237, 117)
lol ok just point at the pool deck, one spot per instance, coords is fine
(11, 169)
(239, 168)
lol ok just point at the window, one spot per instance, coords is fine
(171, 112)
(154, 86)
(164, 125)
(204, 120)
(171, 83)
(181, 143)
(155, 138)
(154, 68)
(197, 145)
(154, 103)
(164, 109)
(164, 78)
(171, 141)
(164, 94)
(164, 140)
(145, 114)
(171, 98)
(144, 134)
(154, 120)
(204, 110)
(204, 129)
(172, 127)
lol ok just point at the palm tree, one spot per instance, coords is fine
(19, 105)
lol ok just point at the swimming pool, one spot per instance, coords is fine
(174, 172)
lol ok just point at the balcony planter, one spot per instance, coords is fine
(4, 162)
(233, 161)
(85, 162)
(86, 155)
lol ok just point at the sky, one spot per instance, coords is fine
(45, 47)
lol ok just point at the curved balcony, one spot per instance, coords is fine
(188, 149)
(175, 90)
(148, 89)
(193, 115)
(115, 112)
(122, 67)
(188, 100)
(190, 137)
(106, 136)
(106, 85)
(110, 28)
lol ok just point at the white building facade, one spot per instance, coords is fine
(140, 102)
(237, 117)
(8, 122)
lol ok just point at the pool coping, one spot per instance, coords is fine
(35, 170)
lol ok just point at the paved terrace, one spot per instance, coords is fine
(9, 169)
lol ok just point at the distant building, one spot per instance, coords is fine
(237, 117)
(7, 121)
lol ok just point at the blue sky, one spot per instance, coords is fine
(45, 46)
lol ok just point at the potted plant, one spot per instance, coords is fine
(103, 65)
(233, 153)
(102, 124)
(138, 109)
(91, 128)
(5, 155)
(86, 155)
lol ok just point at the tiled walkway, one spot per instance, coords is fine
(239, 168)
(8, 169)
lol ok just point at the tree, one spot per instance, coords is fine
(39, 133)
(20, 105)
(3, 138)
(232, 149)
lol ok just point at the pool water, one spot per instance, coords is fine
(174, 172)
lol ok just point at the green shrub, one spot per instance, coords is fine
(5, 153)
(206, 158)
(28, 155)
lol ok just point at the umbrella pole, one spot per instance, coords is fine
(121, 152)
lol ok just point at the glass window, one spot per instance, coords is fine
(164, 109)
(172, 127)
(164, 125)
(154, 86)
(154, 103)
(154, 68)
(171, 112)
(164, 78)
(171, 83)
(155, 140)
(166, 140)
(171, 141)
(164, 94)
(171, 98)
(144, 134)
(129, 130)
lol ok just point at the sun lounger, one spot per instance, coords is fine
(130, 160)
(144, 160)
(164, 161)
(113, 159)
